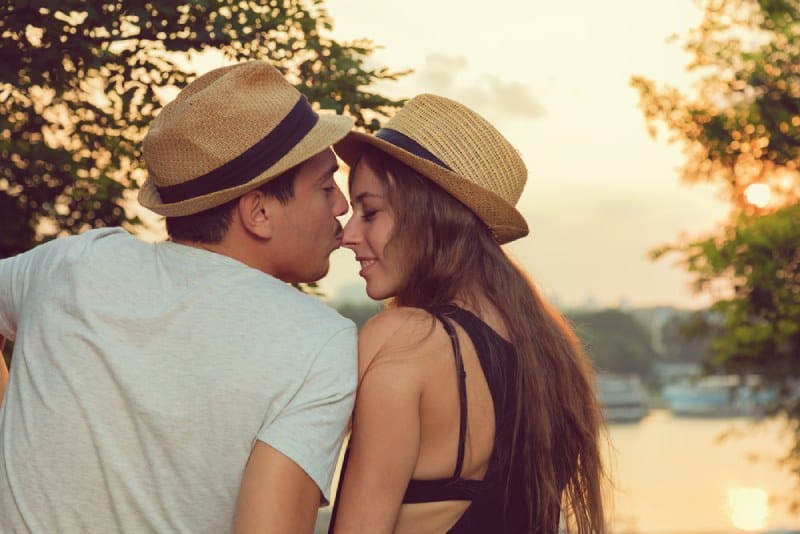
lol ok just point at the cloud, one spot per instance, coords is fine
(439, 71)
(489, 95)
(510, 99)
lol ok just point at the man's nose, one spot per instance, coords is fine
(340, 206)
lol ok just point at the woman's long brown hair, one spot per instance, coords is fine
(448, 253)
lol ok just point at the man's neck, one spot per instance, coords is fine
(217, 248)
(245, 253)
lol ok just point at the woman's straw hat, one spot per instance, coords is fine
(228, 132)
(460, 151)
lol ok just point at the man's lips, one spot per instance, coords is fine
(339, 235)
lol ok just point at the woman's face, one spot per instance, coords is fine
(368, 232)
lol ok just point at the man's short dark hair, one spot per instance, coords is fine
(211, 225)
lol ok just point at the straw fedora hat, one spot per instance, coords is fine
(457, 149)
(228, 132)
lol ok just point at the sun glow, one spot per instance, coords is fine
(757, 194)
(749, 508)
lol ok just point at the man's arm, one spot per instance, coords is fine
(291, 464)
(3, 371)
(276, 495)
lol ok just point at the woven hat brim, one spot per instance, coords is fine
(503, 219)
(328, 130)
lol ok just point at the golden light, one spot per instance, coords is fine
(749, 508)
(757, 194)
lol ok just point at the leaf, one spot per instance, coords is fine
(72, 154)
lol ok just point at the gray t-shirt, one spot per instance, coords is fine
(143, 373)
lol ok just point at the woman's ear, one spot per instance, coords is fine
(255, 213)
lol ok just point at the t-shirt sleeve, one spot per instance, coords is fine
(15, 278)
(311, 428)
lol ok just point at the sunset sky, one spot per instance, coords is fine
(554, 78)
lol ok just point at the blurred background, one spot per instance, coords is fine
(661, 140)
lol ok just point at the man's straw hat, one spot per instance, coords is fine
(228, 132)
(460, 151)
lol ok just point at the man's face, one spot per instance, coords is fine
(306, 231)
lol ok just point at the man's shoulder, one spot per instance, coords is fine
(303, 327)
(83, 239)
(94, 235)
(67, 248)
(298, 306)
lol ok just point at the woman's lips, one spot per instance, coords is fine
(366, 265)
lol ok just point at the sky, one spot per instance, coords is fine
(553, 77)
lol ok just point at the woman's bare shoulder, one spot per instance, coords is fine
(396, 333)
(404, 319)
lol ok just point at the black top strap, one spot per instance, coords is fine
(461, 375)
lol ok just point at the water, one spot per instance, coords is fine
(676, 475)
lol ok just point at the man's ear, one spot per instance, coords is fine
(255, 212)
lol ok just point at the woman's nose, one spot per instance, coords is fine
(350, 237)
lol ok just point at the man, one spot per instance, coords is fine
(184, 386)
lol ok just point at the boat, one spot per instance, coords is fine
(718, 396)
(623, 397)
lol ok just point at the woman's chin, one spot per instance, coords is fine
(378, 294)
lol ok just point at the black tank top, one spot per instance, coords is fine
(487, 511)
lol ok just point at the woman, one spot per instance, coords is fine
(475, 410)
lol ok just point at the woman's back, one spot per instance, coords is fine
(418, 349)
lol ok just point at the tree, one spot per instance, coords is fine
(80, 82)
(615, 342)
(681, 343)
(359, 312)
(741, 130)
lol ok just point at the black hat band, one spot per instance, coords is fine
(255, 160)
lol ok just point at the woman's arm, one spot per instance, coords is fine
(385, 440)
(3, 371)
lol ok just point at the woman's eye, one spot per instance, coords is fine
(369, 215)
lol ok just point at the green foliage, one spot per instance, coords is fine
(757, 327)
(360, 312)
(615, 342)
(80, 82)
(742, 126)
(686, 338)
